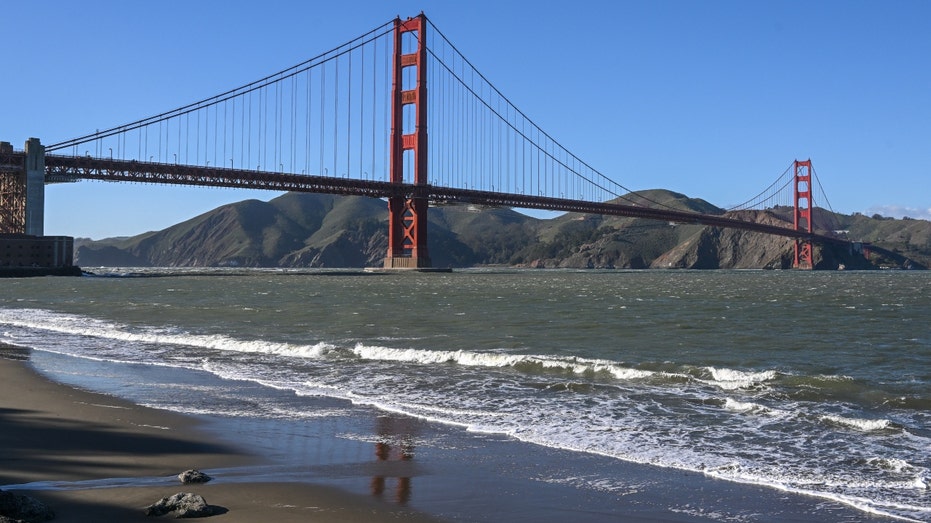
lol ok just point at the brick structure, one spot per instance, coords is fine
(23, 250)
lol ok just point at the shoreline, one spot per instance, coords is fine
(52, 432)
(323, 470)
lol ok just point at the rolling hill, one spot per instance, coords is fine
(318, 230)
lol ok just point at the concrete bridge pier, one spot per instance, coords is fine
(24, 248)
(35, 187)
(22, 189)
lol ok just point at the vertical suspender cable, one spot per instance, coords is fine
(307, 118)
(541, 169)
(187, 136)
(388, 104)
(159, 141)
(242, 133)
(374, 108)
(457, 132)
(322, 113)
(252, 129)
(277, 141)
(525, 159)
(279, 127)
(446, 122)
(259, 130)
(482, 142)
(307, 115)
(466, 132)
(473, 139)
(361, 111)
(267, 117)
(224, 133)
(233, 133)
(336, 119)
(216, 134)
(500, 153)
(349, 116)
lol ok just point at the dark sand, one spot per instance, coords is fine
(52, 432)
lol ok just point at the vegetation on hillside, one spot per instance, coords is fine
(318, 230)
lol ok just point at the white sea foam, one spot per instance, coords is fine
(496, 359)
(730, 379)
(89, 327)
(745, 406)
(449, 411)
(598, 483)
(866, 425)
(893, 464)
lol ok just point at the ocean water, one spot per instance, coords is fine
(812, 383)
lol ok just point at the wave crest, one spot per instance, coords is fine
(865, 425)
(731, 379)
(531, 362)
(102, 329)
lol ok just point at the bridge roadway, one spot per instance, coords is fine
(60, 168)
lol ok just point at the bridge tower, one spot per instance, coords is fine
(407, 215)
(803, 221)
(22, 191)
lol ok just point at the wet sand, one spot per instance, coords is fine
(51, 432)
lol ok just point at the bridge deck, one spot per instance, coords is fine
(61, 168)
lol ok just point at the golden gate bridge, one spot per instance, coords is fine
(397, 113)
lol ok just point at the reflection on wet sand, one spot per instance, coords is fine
(395, 443)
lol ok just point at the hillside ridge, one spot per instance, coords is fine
(321, 230)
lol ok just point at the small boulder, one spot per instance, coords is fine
(183, 505)
(19, 508)
(193, 476)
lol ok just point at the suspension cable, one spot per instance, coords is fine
(519, 132)
(747, 203)
(321, 58)
(835, 225)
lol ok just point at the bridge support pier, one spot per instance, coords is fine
(407, 214)
(804, 258)
(12, 193)
(35, 187)
(22, 190)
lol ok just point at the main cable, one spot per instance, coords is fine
(540, 130)
(284, 74)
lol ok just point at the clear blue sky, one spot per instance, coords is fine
(713, 99)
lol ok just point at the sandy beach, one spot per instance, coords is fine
(96, 457)
(52, 432)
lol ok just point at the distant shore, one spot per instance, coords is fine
(27, 272)
(51, 432)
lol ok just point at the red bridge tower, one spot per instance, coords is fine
(803, 222)
(407, 215)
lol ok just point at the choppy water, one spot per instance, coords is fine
(817, 383)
